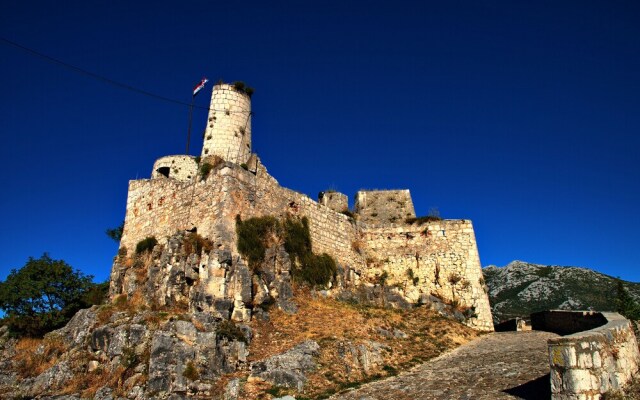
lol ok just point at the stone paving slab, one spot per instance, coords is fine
(506, 365)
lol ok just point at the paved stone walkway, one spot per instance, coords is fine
(509, 365)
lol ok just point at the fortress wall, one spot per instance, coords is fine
(160, 207)
(183, 168)
(384, 206)
(587, 364)
(436, 252)
(260, 195)
(442, 255)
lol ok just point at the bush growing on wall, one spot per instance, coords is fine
(194, 243)
(146, 244)
(297, 239)
(253, 237)
(317, 270)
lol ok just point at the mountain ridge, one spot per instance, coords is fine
(520, 288)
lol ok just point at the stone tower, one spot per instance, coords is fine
(228, 131)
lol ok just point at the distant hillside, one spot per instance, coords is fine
(521, 288)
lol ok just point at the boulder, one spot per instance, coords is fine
(288, 369)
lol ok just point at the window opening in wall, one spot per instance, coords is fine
(164, 171)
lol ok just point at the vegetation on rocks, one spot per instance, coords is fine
(146, 245)
(253, 237)
(256, 234)
(44, 294)
(195, 243)
(625, 304)
(116, 233)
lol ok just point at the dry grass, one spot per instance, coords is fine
(333, 324)
(358, 246)
(34, 356)
(88, 384)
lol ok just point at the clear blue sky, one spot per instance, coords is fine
(521, 116)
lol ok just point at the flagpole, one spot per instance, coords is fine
(190, 117)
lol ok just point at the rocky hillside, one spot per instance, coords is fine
(521, 288)
(162, 337)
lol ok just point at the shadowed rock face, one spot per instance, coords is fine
(288, 369)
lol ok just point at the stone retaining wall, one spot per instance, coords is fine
(586, 365)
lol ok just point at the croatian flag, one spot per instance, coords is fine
(199, 86)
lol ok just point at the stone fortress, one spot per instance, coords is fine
(419, 258)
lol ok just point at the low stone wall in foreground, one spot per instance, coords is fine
(588, 364)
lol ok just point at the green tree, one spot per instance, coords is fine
(44, 294)
(625, 304)
(115, 233)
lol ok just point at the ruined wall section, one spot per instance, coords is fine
(228, 131)
(384, 206)
(442, 256)
(181, 167)
(334, 200)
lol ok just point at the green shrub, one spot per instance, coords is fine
(244, 166)
(44, 294)
(204, 171)
(146, 244)
(252, 236)
(129, 358)
(194, 243)
(239, 86)
(382, 278)
(191, 372)
(116, 233)
(316, 269)
(229, 330)
(414, 279)
(297, 239)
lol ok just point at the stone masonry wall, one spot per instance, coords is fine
(586, 365)
(441, 255)
(228, 131)
(384, 206)
(160, 207)
(334, 200)
(179, 167)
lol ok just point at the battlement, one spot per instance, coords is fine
(334, 200)
(384, 206)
